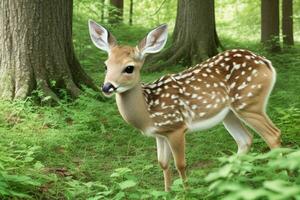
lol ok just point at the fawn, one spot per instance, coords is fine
(232, 87)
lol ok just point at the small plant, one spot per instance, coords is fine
(274, 175)
(19, 171)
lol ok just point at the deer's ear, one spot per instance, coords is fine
(101, 37)
(154, 41)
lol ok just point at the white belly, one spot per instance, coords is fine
(150, 132)
(208, 123)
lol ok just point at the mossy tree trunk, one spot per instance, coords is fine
(287, 22)
(194, 37)
(130, 12)
(116, 11)
(36, 49)
(270, 25)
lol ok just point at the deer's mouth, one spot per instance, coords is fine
(108, 89)
(108, 94)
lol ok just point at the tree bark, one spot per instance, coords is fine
(116, 11)
(36, 49)
(102, 10)
(270, 24)
(287, 22)
(194, 37)
(130, 12)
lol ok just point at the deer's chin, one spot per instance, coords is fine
(108, 94)
(122, 89)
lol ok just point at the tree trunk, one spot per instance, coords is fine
(116, 11)
(36, 49)
(194, 36)
(130, 12)
(102, 10)
(287, 22)
(270, 24)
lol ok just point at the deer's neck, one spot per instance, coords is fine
(133, 108)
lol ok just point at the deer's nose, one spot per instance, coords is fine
(108, 88)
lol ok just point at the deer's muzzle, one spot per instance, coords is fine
(108, 88)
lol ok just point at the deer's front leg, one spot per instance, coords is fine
(177, 144)
(163, 156)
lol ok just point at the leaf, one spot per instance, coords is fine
(46, 98)
(38, 165)
(28, 159)
(221, 173)
(198, 191)
(120, 172)
(157, 194)
(147, 167)
(127, 184)
(280, 185)
(119, 196)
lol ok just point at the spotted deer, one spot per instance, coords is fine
(232, 87)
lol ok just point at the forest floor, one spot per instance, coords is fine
(76, 149)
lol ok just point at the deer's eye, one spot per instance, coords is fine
(129, 69)
(105, 67)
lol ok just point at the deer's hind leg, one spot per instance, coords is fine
(239, 132)
(261, 123)
(251, 108)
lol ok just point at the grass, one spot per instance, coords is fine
(76, 146)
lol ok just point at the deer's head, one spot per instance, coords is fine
(124, 63)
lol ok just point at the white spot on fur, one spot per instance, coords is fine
(232, 85)
(237, 55)
(208, 106)
(259, 86)
(242, 86)
(194, 96)
(194, 107)
(243, 105)
(202, 114)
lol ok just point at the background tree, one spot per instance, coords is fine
(116, 11)
(194, 36)
(36, 49)
(287, 22)
(270, 24)
(130, 12)
(102, 10)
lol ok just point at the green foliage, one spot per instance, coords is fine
(274, 175)
(19, 159)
